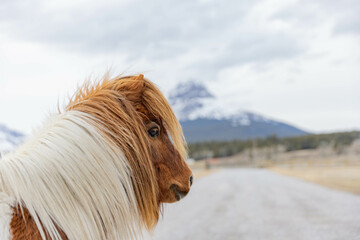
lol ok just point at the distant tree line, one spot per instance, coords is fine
(338, 141)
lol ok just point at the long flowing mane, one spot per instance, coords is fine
(92, 163)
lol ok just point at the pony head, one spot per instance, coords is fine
(135, 116)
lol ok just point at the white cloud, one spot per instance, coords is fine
(293, 60)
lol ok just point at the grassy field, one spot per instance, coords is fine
(345, 178)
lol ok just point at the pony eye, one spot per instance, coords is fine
(153, 132)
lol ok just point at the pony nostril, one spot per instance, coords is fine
(191, 180)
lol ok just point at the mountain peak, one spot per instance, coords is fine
(192, 100)
(188, 97)
(189, 90)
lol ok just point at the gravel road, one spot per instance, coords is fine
(258, 204)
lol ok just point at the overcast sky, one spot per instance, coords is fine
(295, 61)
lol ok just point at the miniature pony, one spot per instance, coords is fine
(98, 170)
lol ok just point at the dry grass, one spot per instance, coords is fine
(345, 178)
(199, 173)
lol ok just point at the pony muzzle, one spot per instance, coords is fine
(179, 192)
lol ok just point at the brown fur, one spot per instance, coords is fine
(169, 166)
(23, 226)
(123, 106)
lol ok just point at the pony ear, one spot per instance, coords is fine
(130, 87)
(138, 84)
(140, 77)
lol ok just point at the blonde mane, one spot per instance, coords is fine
(68, 176)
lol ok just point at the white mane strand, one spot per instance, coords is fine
(71, 176)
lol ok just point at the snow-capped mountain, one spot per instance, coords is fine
(204, 118)
(9, 139)
(188, 98)
(192, 100)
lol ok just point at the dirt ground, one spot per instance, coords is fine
(345, 178)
